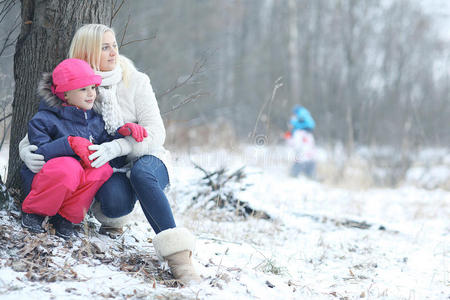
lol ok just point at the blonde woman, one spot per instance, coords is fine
(128, 97)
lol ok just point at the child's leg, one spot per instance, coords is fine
(76, 206)
(57, 180)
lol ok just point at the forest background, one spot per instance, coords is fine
(372, 73)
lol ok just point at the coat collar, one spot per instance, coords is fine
(71, 113)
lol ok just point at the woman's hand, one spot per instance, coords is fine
(104, 153)
(135, 130)
(33, 161)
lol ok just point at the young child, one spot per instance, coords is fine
(63, 128)
(301, 139)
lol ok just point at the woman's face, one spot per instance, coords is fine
(108, 58)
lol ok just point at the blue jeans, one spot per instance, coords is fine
(147, 181)
(307, 168)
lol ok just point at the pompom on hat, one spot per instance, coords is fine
(72, 74)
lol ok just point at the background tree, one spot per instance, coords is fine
(46, 31)
(9, 23)
(367, 70)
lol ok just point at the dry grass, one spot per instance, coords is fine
(48, 258)
(354, 174)
(184, 135)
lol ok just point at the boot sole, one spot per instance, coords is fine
(64, 236)
(32, 229)
(58, 233)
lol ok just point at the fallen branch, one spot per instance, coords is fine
(341, 222)
(219, 193)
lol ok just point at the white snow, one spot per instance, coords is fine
(304, 252)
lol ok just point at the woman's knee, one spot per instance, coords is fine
(116, 206)
(116, 200)
(145, 163)
(140, 177)
(116, 209)
(148, 171)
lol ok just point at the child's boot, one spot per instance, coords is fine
(33, 222)
(63, 227)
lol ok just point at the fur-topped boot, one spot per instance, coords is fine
(176, 246)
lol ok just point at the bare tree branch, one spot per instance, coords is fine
(6, 127)
(124, 31)
(6, 8)
(278, 84)
(134, 41)
(186, 101)
(115, 11)
(8, 42)
(5, 117)
(113, 15)
(198, 68)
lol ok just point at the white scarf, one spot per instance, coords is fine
(110, 110)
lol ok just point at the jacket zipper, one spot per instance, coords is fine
(91, 138)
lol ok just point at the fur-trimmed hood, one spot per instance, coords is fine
(51, 100)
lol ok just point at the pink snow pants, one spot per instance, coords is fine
(64, 187)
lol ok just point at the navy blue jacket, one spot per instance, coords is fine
(51, 126)
(54, 123)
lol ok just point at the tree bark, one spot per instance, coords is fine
(46, 32)
(294, 52)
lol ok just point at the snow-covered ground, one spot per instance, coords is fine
(322, 242)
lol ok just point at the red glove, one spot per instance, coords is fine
(80, 146)
(136, 131)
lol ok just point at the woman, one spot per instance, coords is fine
(129, 98)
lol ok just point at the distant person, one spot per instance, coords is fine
(63, 129)
(300, 137)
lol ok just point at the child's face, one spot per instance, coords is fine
(82, 98)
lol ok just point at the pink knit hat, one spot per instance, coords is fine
(72, 74)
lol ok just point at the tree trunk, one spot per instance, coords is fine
(44, 40)
(293, 49)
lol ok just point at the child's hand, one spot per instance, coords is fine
(80, 146)
(287, 135)
(136, 131)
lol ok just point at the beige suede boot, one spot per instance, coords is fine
(176, 245)
(180, 264)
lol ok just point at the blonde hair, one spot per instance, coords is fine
(87, 45)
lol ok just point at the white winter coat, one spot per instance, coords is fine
(137, 103)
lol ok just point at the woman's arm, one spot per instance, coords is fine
(147, 115)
